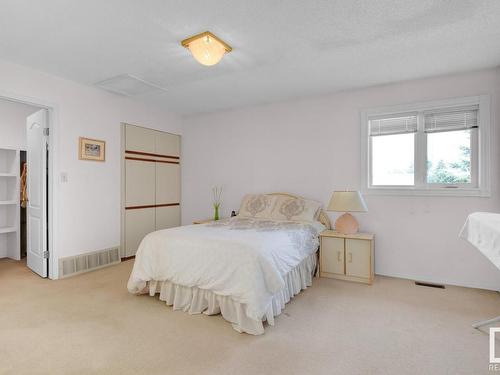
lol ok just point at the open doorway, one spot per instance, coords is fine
(24, 182)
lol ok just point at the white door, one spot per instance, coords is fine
(36, 213)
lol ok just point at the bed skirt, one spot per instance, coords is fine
(196, 301)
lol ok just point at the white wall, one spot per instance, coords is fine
(88, 205)
(312, 147)
(13, 123)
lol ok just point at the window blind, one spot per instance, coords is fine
(393, 125)
(457, 119)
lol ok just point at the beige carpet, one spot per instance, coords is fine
(89, 324)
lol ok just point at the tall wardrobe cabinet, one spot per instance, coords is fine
(151, 184)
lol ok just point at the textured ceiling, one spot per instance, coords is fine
(282, 48)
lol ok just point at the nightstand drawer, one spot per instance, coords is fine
(332, 255)
(358, 258)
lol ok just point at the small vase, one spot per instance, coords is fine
(216, 212)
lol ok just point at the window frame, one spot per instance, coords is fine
(480, 150)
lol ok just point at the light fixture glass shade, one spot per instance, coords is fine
(347, 201)
(207, 50)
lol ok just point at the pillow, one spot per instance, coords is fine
(295, 209)
(257, 205)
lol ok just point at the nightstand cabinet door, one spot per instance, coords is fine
(358, 258)
(332, 255)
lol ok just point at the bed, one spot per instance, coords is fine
(245, 268)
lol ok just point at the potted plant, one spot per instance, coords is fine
(217, 193)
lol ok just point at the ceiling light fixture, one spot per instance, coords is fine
(206, 48)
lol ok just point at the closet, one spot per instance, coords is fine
(9, 204)
(151, 184)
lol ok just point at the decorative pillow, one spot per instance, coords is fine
(257, 205)
(295, 209)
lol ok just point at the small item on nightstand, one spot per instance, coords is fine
(347, 201)
(233, 213)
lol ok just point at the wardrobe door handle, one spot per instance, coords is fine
(339, 256)
(350, 257)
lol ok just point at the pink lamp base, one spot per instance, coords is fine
(346, 224)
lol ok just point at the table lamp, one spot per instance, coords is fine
(347, 201)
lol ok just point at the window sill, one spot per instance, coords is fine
(440, 192)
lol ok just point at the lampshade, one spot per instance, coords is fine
(347, 201)
(206, 48)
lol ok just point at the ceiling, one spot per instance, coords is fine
(282, 48)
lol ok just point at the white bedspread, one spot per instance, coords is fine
(482, 229)
(242, 258)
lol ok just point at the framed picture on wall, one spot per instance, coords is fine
(92, 149)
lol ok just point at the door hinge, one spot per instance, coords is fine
(45, 255)
(46, 132)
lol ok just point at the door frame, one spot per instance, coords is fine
(53, 164)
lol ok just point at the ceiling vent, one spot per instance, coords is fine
(128, 85)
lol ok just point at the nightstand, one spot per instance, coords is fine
(347, 256)
(203, 221)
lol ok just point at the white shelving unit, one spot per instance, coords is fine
(9, 204)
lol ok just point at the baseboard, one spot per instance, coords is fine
(77, 264)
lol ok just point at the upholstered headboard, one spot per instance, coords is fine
(323, 217)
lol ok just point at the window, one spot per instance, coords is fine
(436, 148)
(393, 136)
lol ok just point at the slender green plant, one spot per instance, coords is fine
(217, 194)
